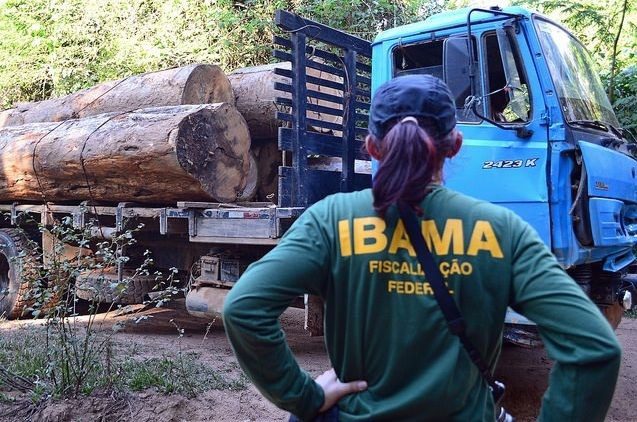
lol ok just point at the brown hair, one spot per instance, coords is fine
(410, 156)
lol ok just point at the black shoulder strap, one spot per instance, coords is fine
(441, 291)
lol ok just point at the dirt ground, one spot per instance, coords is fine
(524, 372)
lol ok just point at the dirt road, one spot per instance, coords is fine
(525, 373)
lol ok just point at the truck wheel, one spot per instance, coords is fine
(101, 286)
(14, 272)
(613, 314)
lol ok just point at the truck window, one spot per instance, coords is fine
(425, 58)
(428, 58)
(507, 95)
(577, 83)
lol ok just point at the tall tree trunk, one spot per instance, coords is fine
(611, 84)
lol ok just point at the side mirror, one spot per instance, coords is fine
(456, 65)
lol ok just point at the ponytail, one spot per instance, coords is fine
(409, 162)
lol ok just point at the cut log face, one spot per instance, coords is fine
(193, 84)
(255, 94)
(155, 155)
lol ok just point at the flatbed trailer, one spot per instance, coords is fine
(249, 223)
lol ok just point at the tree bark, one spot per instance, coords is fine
(255, 94)
(249, 191)
(192, 84)
(155, 155)
(269, 158)
(613, 66)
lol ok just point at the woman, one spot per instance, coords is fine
(385, 334)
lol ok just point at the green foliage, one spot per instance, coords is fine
(50, 48)
(596, 24)
(67, 357)
(32, 362)
(184, 374)
(611, 42)
(23, 355)
(625, 104)
(367, 18)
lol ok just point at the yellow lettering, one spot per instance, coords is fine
(368, 235)
(404, 268)
(344, 238)
(419, 289)
(451, 236)
(395, 267)
(373, 266)
(409, 287)
(483, 239)
(400, 240)
(387, 266)
(427, 289)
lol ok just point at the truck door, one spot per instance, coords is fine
(497, 163)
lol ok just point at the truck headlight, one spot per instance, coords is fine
(629, 219)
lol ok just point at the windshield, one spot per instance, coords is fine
(578, 85)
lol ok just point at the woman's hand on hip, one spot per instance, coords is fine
(334, 389)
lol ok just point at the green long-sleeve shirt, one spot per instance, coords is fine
(383, 325)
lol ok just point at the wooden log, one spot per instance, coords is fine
(192, 84)
(252, 181)
(269, 158)
(255, 94)
(11, 117)
(155, 155)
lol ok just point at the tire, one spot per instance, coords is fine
(101, 286)
(16, 272)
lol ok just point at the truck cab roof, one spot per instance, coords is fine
(445, 20)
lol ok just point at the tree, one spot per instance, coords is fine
(51, 48)
(608, 29)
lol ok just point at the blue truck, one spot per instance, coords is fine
(540, 138)
(540, 135)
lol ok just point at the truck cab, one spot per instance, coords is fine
(540, 136)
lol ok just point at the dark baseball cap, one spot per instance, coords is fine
(422, 96)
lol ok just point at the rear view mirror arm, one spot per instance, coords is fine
(521, 130)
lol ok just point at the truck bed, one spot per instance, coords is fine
(254, 223)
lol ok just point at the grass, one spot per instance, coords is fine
(183, 374)
(24, 353)
(6, 399)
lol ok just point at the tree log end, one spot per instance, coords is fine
(213, 146)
